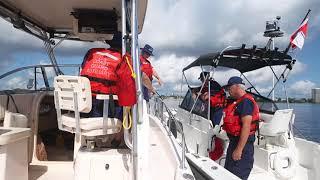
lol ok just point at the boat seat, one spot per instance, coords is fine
(91, 126)
(73, 94)
(15, 120)
(277, 124)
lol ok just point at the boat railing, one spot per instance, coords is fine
(159, 107)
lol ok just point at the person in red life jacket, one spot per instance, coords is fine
(99, 66)
(240, 124)
(148, 72)
(217, 96)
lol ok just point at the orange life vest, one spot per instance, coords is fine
(218, 99)
(99, 67)
(127, 93)
(232, 122)
(146, 67)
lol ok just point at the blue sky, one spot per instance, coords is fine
(310, 56)
(180, 31)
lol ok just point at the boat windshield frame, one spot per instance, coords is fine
(36, 69)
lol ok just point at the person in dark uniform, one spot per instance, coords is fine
(240, 124)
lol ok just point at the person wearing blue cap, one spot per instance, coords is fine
(240, 123)
(148, 72)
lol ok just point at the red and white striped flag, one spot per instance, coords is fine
(297, 38)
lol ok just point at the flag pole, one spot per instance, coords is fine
(289, 45)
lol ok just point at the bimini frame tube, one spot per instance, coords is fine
(137, 108)
(124, 50)
(124, 26)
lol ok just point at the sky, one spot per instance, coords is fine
(182, 30)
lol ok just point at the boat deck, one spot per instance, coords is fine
(45, 170)
(162, 162)
(261, 174)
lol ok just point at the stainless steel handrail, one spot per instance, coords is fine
(158, 112)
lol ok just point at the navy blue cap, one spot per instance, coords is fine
(147, 49)
(203, 75)
(234, 80)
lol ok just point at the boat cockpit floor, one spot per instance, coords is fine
(162, 162)
(51, 170)
(261, 174)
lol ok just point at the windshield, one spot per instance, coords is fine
(200, 108)
(34, 78)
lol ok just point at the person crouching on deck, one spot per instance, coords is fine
(240, 124)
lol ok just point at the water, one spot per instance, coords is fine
(307, 121)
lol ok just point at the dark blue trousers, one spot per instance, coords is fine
(145, 92)
(97, 110)
(242, 167)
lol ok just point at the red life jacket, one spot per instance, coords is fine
(99, 67)
(232, 122)
(146, 67)
(127, 93)
(218, 99)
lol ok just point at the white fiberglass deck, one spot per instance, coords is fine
(56, 170)
(260, 174)
(161, 161)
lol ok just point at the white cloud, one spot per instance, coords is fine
(199, 26)
(181, 30)
(301, 88)
(264, 76)
(18, 82)
(170, 67)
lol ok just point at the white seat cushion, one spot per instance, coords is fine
(278, 124)
(91, 124)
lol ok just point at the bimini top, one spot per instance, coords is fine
(244, 59)
(79, 19)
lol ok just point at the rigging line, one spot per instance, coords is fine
(251, 84)
(180, 99)
(304, 136)
(185, 78)
(198, 95)
(287, 98)
(281, 76)
(169, 111)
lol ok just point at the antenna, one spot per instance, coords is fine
(273, 28)
(272, 31)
